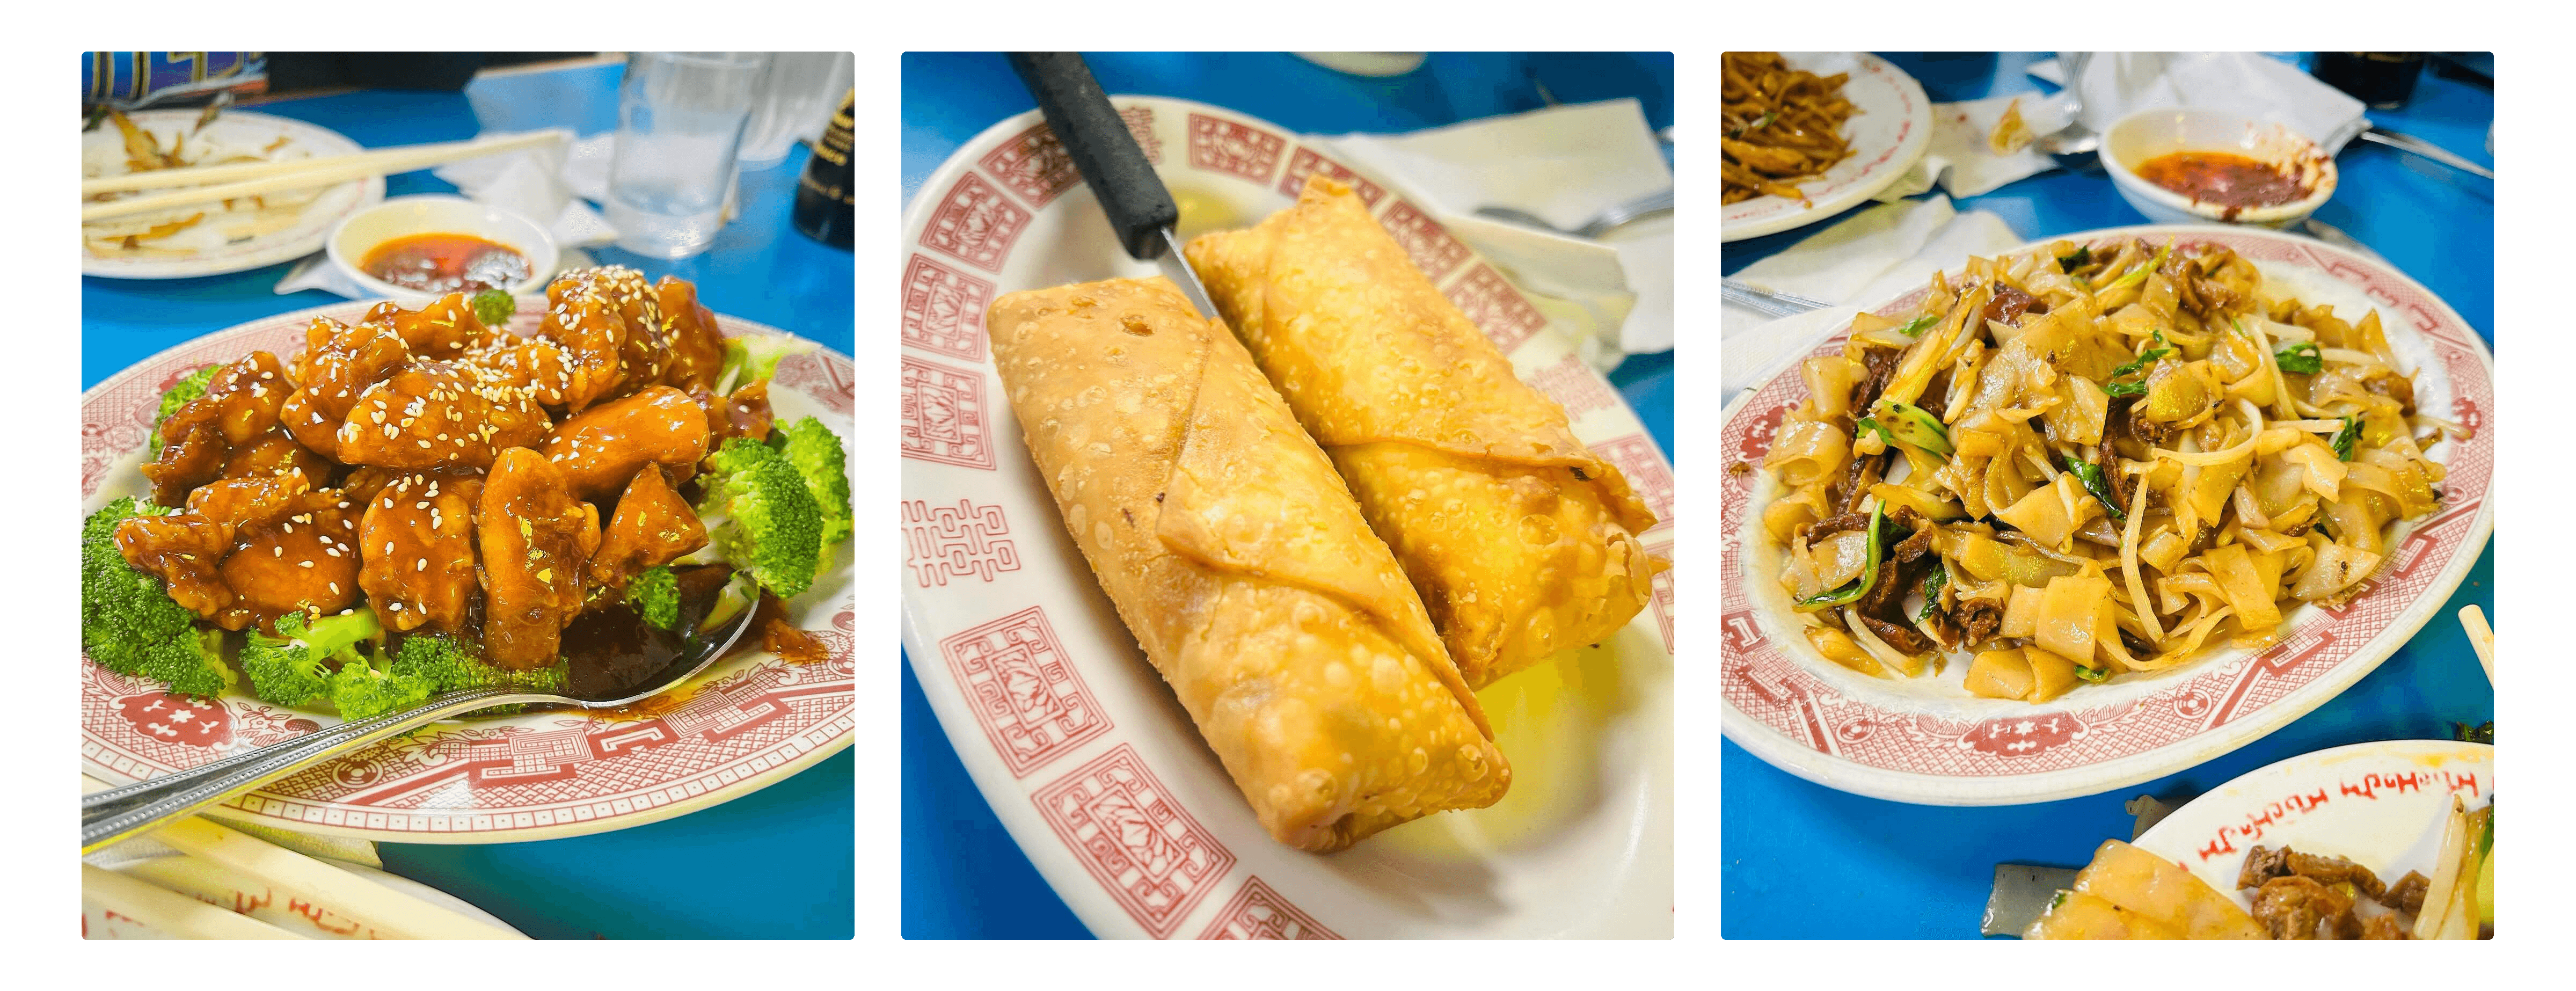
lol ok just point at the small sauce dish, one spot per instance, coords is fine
(418, 248)
(2216, 164)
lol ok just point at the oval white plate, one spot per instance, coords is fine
(1891, 131)
(299, 917)
(992, 586)
(244, 129)
(2381, 805)
(1926, 740)
(743, 724)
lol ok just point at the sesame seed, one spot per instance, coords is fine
(422, 565)
(304, 564)
(397, 607)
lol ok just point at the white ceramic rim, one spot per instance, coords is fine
(1876, 167)
(704, 788)
(322, 140)
(1647, 837)
(1807, 760)
(2129, 180)
(539, 247)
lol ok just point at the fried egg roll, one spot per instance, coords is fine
(1239, 561)
(1521, 542)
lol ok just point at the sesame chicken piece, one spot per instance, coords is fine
(434, 413)
(417, 545)
(275, 453)
(304, 421)
(246, 396)
(446, 328)
(601, 449)
(697, 346)
(531, 366)
(743, 414)
(192, 453)
(340, 361)
(304, 560)
(609, 323)
(183, 550)
(536, 538)
(653, 527)
(240, 502)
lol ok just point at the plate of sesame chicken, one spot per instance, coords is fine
(335, 513)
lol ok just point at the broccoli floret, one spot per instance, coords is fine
(655, 595)
(760, 516)
(755, 357)
(449, 664)
(295, 668)
(191, 387)
(128, 622)
(816, 454)
(494, 306)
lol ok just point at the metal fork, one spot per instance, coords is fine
(1610, 218)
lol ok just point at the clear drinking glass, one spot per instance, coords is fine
(680, 118)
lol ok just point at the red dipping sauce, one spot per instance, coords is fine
(2234, 182)
(445, 263)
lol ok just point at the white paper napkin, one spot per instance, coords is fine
(546, 183)
(2115, 85)
(1877, 253)
(1564, 164)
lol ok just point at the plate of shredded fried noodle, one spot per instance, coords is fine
(2094, 510)
(1807, 135)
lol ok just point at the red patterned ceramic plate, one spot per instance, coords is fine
(1926, 740)
(236, 130)
(1068, 731)
(743, 724)
(2381, 805)
(1891, 131)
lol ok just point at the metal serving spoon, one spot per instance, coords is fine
(119, 813)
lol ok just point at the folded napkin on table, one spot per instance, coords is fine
(1877, 254)
(2115, 85)
(547, 183)
(1565, 165)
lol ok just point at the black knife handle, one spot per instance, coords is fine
(1138, 206)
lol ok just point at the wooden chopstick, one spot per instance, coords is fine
(2481, 636)
(255, 178)
(170, 912)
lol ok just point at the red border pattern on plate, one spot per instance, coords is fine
(1258, 912)
(1221, 145)
(1307, 161)
(486, 776)
(1437, 254)
(944, 414)
(1135, 838)
(1762, 680)
(1024, 690)
(968, 540)
(976, 224)
(1034, 165)
(943, 309)
(1493, 305)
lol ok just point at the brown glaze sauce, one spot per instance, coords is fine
(612, 651)
(2221, 179)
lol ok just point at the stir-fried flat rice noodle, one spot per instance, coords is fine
(2091, 460)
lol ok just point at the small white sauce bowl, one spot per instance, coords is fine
(2147, 134)
(439, 214)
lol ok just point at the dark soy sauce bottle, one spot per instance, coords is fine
(826, 206)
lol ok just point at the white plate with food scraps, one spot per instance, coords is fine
(1926, 740)
(2381, 805)
(1890, 128)
(234, 237)
(209, 883)
(748, 721)
(993, 589)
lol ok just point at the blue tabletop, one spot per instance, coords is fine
(962, 875)
(716, 873)
(1803, 860)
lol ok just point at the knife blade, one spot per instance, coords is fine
(1139, 208)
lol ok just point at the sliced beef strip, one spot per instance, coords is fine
(2263, 864)
(2334, 870)
(2300, 908)
(2010, 304)
(1978, 619)
(2407, 893)
(2382, 927)
(1882, 608)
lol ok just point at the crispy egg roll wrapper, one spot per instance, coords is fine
(1238, 559)
(1521, 542)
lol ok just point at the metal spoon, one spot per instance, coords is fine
(1610, 218)
(2074, 145)
(119, 813)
